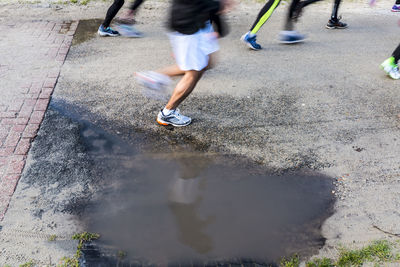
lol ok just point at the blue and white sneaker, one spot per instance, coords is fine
(290, 37)
(129, 31)
(250, 41)
(107, 31)
(396, 8)
(174, 118)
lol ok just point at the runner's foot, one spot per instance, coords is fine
(129, 31)
(336, 24)
(155, 85)
(391, 68)
(396, 8)
(152, 79)
(290, 37)
(174, 119)
(250, 41)
(107, 31)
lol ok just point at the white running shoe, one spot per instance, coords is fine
(155, 85)
(391, 68)
(174, 119)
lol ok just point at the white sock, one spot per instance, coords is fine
(166, 111)
(251, 34)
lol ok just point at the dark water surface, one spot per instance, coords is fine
(86, 30)
(171, 204)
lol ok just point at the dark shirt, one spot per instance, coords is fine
(189, 16)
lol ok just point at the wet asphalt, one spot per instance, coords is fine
(275, 132)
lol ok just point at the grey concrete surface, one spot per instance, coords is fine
(323, 105)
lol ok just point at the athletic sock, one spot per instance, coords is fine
(166, 111)
(251, 34)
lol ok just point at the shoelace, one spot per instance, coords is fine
(176, 113)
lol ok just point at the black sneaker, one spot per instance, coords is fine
(336, 24)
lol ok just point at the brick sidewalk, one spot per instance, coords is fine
(25, 100)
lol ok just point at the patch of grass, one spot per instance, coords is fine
(52, 238)
(27, 264)
(69, 262)
(377, 252)
(121, 254)
(294, 261)
(82, 238)
(62, 2)
(324, 262)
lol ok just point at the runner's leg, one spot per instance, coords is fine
(289, 24)
(184, 87)
(136, 4)
(335, 10)
(112, 12)
(396, 54)
(264, 14)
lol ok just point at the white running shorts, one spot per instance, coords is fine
(192, 51)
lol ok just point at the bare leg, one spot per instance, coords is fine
(171, 71)
(184, 87)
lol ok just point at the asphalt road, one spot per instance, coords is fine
(322, 105)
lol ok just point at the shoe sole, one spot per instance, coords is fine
(132, 35)
(395, 10)
(165, 123)
(248, 44)
(129, 33)
(387, 73)
(335, 27)
(102, 34)
(291, 42)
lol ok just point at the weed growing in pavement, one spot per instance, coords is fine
(377, 252)
(52, 238)
(294, 261)
(121, 254)
(27, 264)
(82, 238)
(324, 262)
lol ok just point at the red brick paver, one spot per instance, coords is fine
(20, 118)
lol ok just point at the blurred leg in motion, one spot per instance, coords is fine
(105, 29)
(265, 13)
(390, 65)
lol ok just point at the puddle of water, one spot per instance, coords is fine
(86, 30)
(192, 207)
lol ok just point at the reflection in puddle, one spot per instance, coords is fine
(195, 207)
